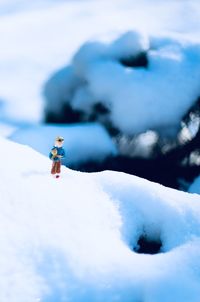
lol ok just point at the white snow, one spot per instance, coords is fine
(70, 239)
(83, 142)
(134, 96)
(7, 129)
(39, 37)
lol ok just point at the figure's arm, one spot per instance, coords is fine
(53, 153)
(62, 155)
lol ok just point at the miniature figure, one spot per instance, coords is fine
(56, 154)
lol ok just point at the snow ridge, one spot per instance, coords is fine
(73, 239)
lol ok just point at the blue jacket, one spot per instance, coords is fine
(60, 151)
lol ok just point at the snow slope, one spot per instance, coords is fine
(71, 239)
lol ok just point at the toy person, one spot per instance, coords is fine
(56, 154)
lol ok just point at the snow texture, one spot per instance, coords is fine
(40, 36)
(72, 239)
(133, 96)
(83, 143)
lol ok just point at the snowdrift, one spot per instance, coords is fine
(76, 238)
(133, 83)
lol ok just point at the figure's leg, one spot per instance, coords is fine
(58, 168)
(53, 169)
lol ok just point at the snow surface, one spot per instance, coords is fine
(71, 239)
(134, 96)
(39, 37)
(6, 129)
(83, 143)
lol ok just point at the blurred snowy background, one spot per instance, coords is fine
(131, 67)
(38, 37)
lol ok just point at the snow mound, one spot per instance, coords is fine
(40, 36)
(128, 45)
(6, 129)
(125, 83)
(73, 239)
(83, 142)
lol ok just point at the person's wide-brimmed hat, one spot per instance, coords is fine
(59, 138)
